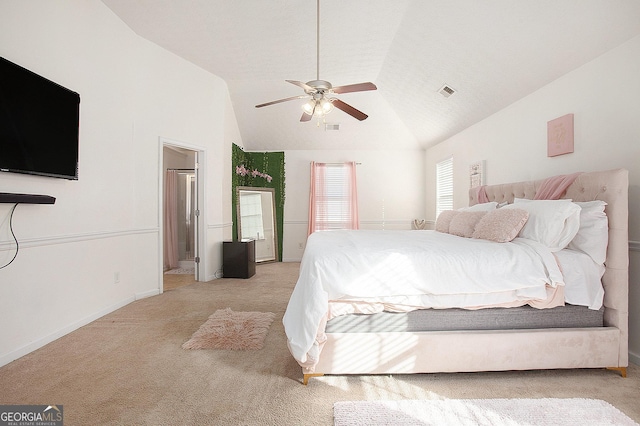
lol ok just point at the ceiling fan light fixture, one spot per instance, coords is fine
(308, 107)
(326, 106)
(320, 105)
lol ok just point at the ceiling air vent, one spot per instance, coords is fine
(332, 126)
(446, 91)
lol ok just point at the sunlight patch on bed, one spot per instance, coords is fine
(395, 271)
(390, 351)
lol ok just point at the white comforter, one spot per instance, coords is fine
(416, 268)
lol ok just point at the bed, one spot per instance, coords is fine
(530, 321)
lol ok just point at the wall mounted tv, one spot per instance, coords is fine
(38, 124)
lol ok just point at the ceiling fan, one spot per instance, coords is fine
(319, 92)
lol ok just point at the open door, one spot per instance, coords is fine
(181, 213)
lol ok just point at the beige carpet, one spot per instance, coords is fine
(481, 412)
(226, 329)
(128, 368)
(181, 271)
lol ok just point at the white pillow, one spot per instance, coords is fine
(553, 223)
(593, 236)
(482, 207)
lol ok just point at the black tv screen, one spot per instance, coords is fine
(38, 124)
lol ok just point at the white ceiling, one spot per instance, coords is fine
(492, 52)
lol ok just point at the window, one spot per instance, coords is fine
(333, 197)
(444, 185)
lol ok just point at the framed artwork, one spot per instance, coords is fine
(560, 136)
(476, 174)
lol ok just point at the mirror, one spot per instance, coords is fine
(257, 220)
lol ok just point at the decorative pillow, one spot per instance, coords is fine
(482, 207)
(593, 236)
(553, 223)
(444, 219)
(501, 225)
(464, 223)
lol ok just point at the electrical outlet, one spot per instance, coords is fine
(116, 277)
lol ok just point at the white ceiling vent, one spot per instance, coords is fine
(446, 91)
(331, 126)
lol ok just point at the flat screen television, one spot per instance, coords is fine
(38, 124)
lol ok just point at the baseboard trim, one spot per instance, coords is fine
(146, 294)
(634, 245)
(18, 353)
(633, 358)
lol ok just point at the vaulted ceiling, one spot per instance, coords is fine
(491, 52)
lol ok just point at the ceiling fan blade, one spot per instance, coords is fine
(305, 86)
(305, 117)
(360, 87)
(282, 100)
(349, 109)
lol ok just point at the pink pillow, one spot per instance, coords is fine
(465, 222)
(501, 225)
(444, 220)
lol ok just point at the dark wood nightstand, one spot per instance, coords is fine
(238, 259)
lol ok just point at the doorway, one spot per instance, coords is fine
(180, 202)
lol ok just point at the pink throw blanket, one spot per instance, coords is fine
(551, 189)
(554, 187)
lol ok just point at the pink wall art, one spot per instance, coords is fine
(560, 136)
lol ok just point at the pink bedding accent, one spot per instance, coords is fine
(482, 194)
(554, 187)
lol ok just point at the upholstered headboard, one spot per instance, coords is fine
(612, 187)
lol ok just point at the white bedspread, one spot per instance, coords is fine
(417, 268)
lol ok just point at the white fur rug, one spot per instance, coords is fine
(474, 412)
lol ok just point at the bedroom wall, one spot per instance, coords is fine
(603, 95)
(98, 247)
(390, 191)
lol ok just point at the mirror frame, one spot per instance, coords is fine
(275, 220)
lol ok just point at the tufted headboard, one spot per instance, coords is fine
(612, 187)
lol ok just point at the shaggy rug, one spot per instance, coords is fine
(509, 412)
(226, 329)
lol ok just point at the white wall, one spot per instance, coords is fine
(132, 93)
(390, 191)
(604, 97)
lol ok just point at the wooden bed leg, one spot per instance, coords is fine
(306, 378)
(621, 370)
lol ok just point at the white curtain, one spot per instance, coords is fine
(171, 220)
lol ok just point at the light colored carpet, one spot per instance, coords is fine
(182, 271)
(226, 329)
(480, 412)
(128, 368)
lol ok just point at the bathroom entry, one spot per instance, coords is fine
(180, 211)
(184, 214)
